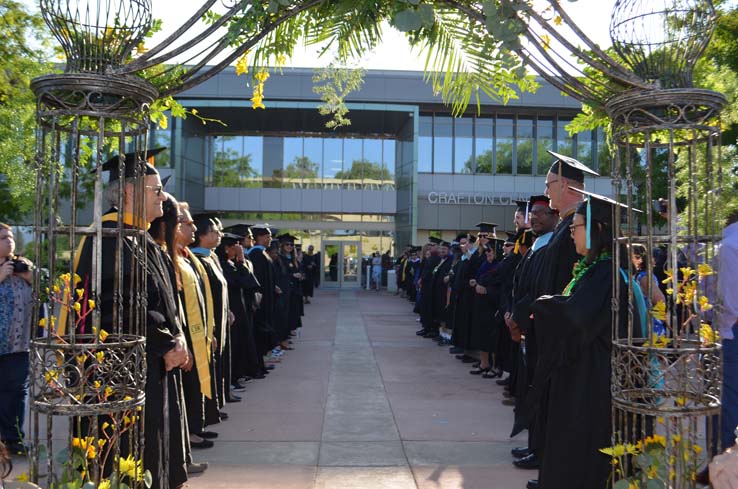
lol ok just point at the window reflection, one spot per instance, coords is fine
(524, 146)
(332, 160)
(425, 144)
(313, 151)
(545, 142)
(584, 148)
(504, 145)
(483, 145)
(389, 149)
(564, 142)
(442, 144)
(463, 145)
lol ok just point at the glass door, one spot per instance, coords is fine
(341, 263)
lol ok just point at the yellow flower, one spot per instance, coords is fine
(81, 358)
(57, 290)
(103, 335)
(22, 477)
(77, 307)
(659, 311)
(704, 303)
(100, 355)
(546, 41)
(262, 76)
(80, 293)
(131, 467)
(655, 440)
(704, 270)
(51, 375)
(669, 291)
(676, 439)
(686, 273)
(281, 60)
(669, 277)
(141, 48)
(709, 336)
(42, 322)
(65, 277)
(105, 425)
(163, 122)
(242, 65)
(257, 101)
(108, 391)
(697, 449)
(91, 451)
(558, 20)
(104, 484)
(681, 401)
(91, 303)
(660, 419)
(97, 384)
(621, 450)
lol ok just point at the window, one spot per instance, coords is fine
(584, 148)
(353, 171)
(443, 144)
(313, 151)
(373, 171)
(463, 145)
(504, 145)
(545, 140)
(425, 144)
(564, 143)
(483, 147)
(389, 150)
(332, 159)
(524, 146)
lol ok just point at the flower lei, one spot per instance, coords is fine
(581, 267)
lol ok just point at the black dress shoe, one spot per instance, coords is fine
(202, 444)
(532, 484)
(270, 367)
(233, 398)
(421, 332)
(459, 357)
(455, 350)
(207, 434)
(479, 371)
(431, 334)
(223, 416)
(529, 462)
(467, 359)
(505, 381)
(520, 452)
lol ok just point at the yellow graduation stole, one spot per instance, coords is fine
(64, 311)
(209, 307)
(194, 313)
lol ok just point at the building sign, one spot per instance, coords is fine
(471, 198)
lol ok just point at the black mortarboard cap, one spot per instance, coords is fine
(568, 167)
(597, 208)
(164, 181)
(486, 227)
(230, 239)
(239, 229)
(131, 164)
(434, 240)
(260, 229)
(202, 221)
(286, 238)
(461, 236)
(522, 206)
(539, 200)
(526, 237)
(511, 236)
(445, 243)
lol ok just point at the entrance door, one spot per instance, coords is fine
(342, 263)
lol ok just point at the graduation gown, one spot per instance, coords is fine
(426, 291)
(165, 444)
(574, 367)
(295, 303)
(463, 317)
(283, 301)
(484, 327)
(440, 290)
(242, 285)
(561, 255)
(505, 347)
(310, 266)
(264, 328)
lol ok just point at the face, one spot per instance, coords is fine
(247, 241)
(186, 232)
(464, 245)
(554, 189)
(508, 248)
(7, 243)
(490, 254)
(442, 251)
(263, 240)
(542, 220)
(519, 221)
(637, 261)
(153, 197)
(578, 231)
(288, 248)
(212, 238)
(311, 249)
(483, 239)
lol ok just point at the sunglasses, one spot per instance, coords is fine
(158, 189)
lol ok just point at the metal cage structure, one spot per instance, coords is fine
(666, 373)
(88, 359)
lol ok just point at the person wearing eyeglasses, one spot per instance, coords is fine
(166, 347)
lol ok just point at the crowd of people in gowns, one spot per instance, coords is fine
(222, 308)
(532, 310)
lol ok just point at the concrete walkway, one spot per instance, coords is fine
(364, 403)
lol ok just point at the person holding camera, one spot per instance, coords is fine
(15, 336)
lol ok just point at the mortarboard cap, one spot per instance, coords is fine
(230, 239)
(511, 236)
(521, 206)
(540, 200)
(461, 236)
(260, 229)
(486, 227)
(434, 240)
(239, 229)
(164, 181)
(202, 221)
(597, 208)
(286, 238)
(570, 168)
(444, 243)
(131, 161)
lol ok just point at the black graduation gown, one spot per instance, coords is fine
(242, 284)
(264, 329)
(310, 267)
(561, 255)
(412, 267)
(426, 291)
(294, 296)
(440, 289)
(163, 400)
(462, 328)
(484, 327)
(453, 295)
(574, 367)
(281, 313)
(505, 347)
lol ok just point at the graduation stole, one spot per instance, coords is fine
(210, 313)
(128, 220)
(218, 272)
(195, 320)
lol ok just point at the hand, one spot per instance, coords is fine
(445, 279)
(724, 470)
(231, 318)
(239, 253)
(215, 343)
(481, 290)
(277, 289)
(175, 358)
(509, 321)
(6, 270)
(189, 364)
(473, 283)
(297, 275)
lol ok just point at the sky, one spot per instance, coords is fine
(593, 16)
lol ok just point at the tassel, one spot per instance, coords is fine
(527, 206)
(589, 223)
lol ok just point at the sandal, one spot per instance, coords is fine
(492, 373)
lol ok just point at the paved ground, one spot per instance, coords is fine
(363, 403)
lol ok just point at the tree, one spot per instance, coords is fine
(233, 170)
(22, 57)
(364, 169)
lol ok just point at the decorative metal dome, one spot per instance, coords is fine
(97, 35)
(661, 40)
